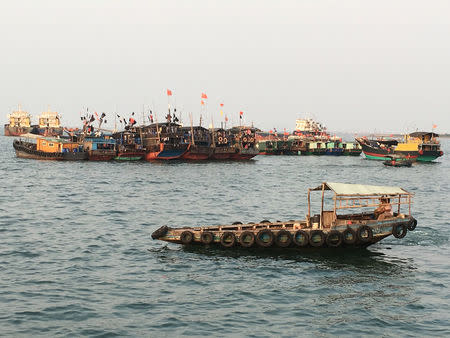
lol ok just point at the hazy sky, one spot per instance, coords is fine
(354, 65)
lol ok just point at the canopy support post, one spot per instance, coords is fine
(309, 206)
(321, 210)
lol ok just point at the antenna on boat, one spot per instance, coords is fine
(192, 129)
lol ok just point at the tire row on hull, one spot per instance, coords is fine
(282, 238)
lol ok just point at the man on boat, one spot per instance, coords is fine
(384, 210)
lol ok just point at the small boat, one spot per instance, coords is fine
(418, 146)
(128, 145)
(45, 148)
(100, 148)
(327, 229)
(398, 161)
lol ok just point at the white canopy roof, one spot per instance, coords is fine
(360, 189)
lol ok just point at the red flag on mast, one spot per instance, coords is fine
(202, 102)
(221, 104)
(169, 92)
(204, 96)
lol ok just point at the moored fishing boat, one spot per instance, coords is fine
(100, 148)
(327, 229)
(163, 141)
(128, 145)
(222, 149)
(244, 140)
(199, 140)
(350, 148)
(418, 146)
(49, 124)
(19, 123)
(332, 148)
(44, 148)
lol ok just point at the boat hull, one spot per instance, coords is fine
(16, 131)
(197, 153)
(222, 153)
(130, 156)
(380, 229)
(101, 155)
(28, 150)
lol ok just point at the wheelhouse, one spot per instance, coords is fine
(354, 196)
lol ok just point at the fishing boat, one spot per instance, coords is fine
(19, 123)
(128, 145)
(397, 161)
(199, 140)
(100, 148)
(326, 229)
(49, 124)
(244, 140)
(350, 148)
(417, 146)
(333, 148)
(164, 141)
(44, 148)
(222, 149)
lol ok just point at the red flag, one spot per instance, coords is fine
(204, 96)
(241, 113)
(169, 92)
(202, 102)
(434, 126)
(221, 104)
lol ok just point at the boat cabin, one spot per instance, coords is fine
(347, 197)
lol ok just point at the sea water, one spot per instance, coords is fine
(77, 259)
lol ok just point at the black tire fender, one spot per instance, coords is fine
(313, 234)
(362, 229)
(349, 236)
(399, 230)
(280, 236)
(228, 239)
(304, 238)
(207, 237)
(412, 224)
(263, 243)
(161, 232)
(334, 238)
(187, 237)
(243, 236)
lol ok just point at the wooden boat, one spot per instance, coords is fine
(163, 141)
(332, 148)
(222, 148)
(244, 140)
(350, 148)
(44, 148)
(327, 229)
(398, 161)
(128, 145)
(418, 146)
(100, 148)
(199, 140)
